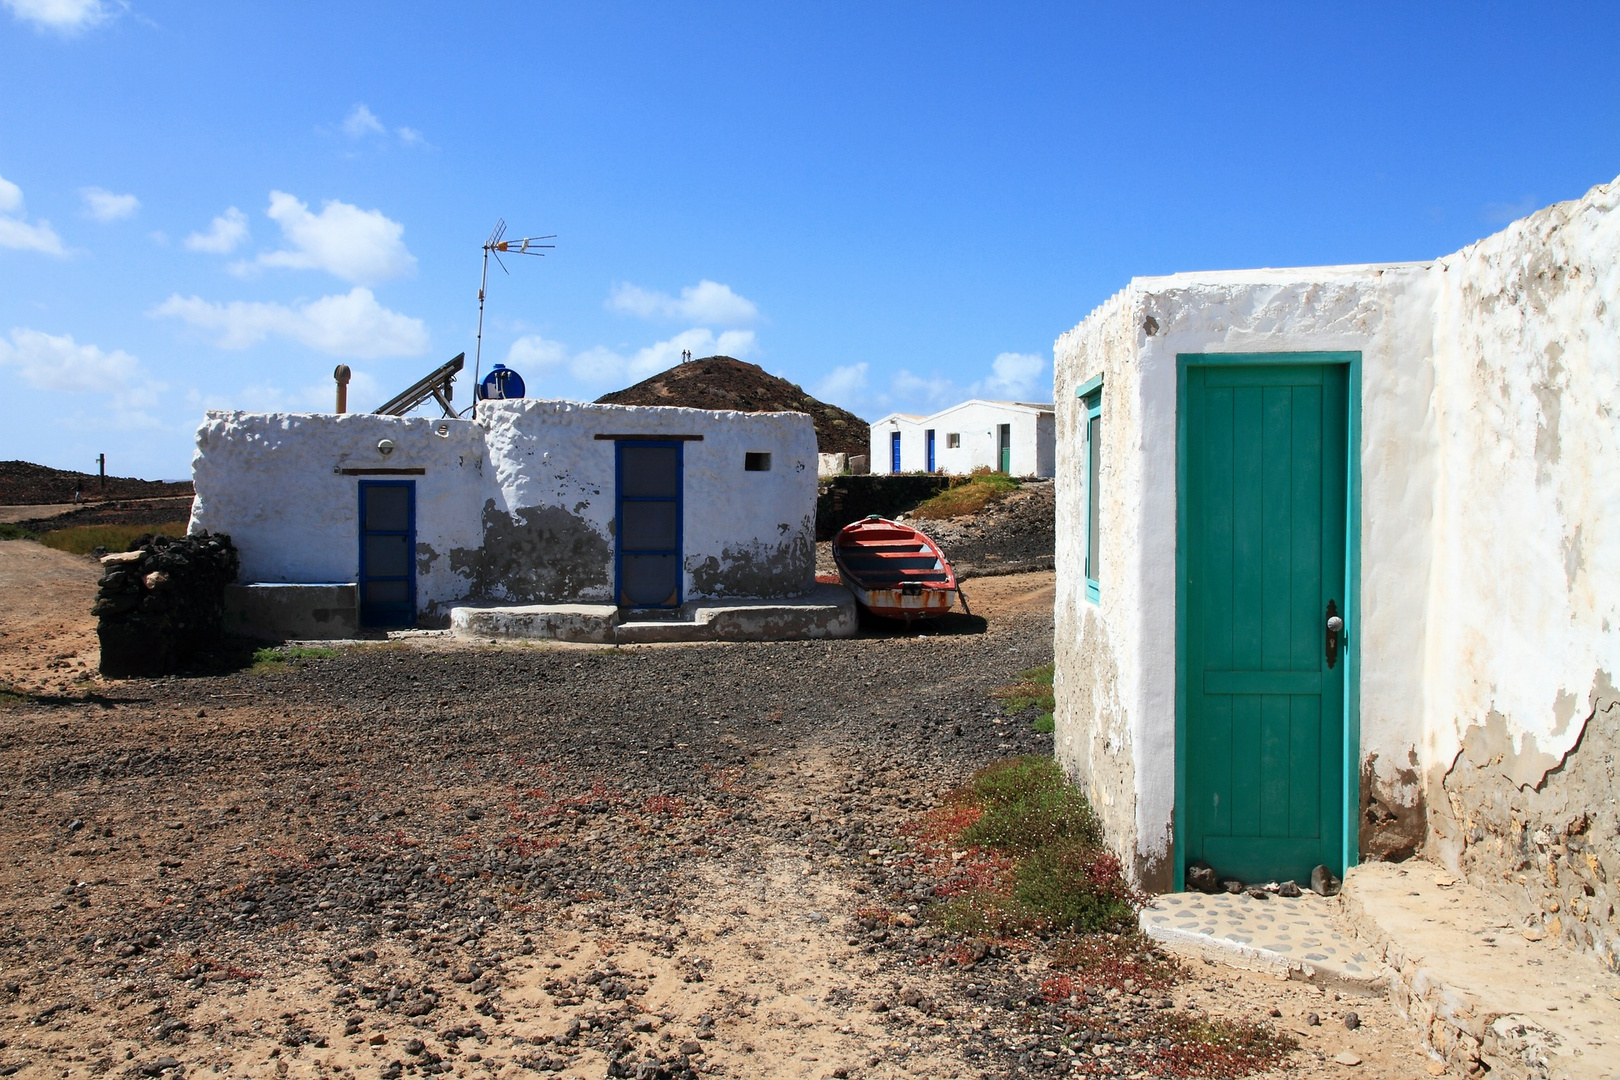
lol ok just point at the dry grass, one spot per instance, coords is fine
(83, 539)
(968, 495)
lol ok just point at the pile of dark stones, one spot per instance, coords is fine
(162, 602)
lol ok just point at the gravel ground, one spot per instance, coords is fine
(427, 858)
(1014, 534)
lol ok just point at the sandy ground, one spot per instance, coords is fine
(759, 971)
(47, 636)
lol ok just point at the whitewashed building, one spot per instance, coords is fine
(1339, 567)
(1015, 437)
(530, 502)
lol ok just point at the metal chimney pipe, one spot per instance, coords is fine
(342, 377)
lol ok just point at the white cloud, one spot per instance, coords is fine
(361, 122)
(52, 362)
(706, 302)
(1015, 376)
(362, 246)
(596, 370)
(61, 365)
(16, 233)
(63, 16)
(364, 391)
(351, 324)
(923, 394)
(103, 205)
(410, 136)
(845, 385)
(25, 237)
(224, 234)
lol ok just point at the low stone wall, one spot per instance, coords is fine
(161, 603)
(843, 499)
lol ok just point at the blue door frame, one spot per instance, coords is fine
(894, 451)
(1350, 664)
(648, 514)
(387, 553)
(931, 465)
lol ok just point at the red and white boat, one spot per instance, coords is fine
(894, 570)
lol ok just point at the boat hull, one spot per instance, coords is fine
(894, 571)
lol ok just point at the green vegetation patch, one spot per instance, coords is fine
(11, 697)
(968, 495)
(16, 532)
(280, 657)
(84, 539)
(1022, 851)
(1033, 690)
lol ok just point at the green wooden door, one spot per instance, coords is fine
(1265, 537)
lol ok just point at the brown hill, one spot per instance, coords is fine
(22, 483)
(720, 382)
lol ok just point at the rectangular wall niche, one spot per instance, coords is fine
(754, 461)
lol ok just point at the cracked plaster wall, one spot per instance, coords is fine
(1520, 730)
(1490, 498)
(516, 505)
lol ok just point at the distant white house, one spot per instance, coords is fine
(1014, 437)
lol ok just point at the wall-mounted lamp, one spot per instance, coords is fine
(385, 447)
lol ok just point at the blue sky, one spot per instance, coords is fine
(894, 205)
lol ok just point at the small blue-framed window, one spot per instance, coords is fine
(1090, 395)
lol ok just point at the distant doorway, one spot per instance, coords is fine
(387, 539)
(894, 451)
(648, 555)
(931, 465)
(1004, 447)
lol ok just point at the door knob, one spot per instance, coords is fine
(1335, 627)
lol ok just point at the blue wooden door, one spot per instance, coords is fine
(894, 452)
(1265, 459)
(387, 542)
(648, 556)
(931, 465)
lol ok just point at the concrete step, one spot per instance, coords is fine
(827, 612)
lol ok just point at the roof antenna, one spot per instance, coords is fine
(496, 245)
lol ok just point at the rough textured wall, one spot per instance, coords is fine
(273, 482)
(1524, 630)
(548, 520)
(1097, 716)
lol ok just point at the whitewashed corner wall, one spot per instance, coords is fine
(273, 482)
(1489, 628)
(517, 505)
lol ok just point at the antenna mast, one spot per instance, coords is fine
(497, 245)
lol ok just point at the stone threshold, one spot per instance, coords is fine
(826, 612)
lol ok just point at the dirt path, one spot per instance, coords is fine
(47, 635)
(508, 861)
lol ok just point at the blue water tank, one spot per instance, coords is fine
(501, 382)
